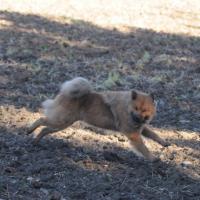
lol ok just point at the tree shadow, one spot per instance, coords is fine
(191, 143)
(79, 171)
(37, 54)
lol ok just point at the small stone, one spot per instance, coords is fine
(105, 147)
(36, 183)
(186, 163)
(10, 169)
(30, 178)
(18, 152)
(110, 156)
(130, 79)
(121, 139)
(55, 196)
(162, 156)
(171, 157)
(45, 191)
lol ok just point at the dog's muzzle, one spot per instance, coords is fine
(137, 119)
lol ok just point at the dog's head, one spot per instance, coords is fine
(142, 108)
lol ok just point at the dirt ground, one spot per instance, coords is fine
(38, 53)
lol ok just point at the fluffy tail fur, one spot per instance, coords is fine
(74, 88)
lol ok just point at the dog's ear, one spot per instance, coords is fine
(133, 94)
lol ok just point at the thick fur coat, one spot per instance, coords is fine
(126, 111)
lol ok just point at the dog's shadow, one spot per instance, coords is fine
(110, 152)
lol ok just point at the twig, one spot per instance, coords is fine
(123, 181)
(8, 193)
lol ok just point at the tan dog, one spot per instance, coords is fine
(127, 112)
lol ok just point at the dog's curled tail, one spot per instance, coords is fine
(76, 88)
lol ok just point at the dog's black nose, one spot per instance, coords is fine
(137, 118)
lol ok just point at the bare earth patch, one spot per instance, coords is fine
(152, 47)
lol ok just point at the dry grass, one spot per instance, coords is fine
(151, 45)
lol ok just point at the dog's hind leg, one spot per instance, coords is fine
(40, 122)
(48, 130)
(45, 131)
(152, 135)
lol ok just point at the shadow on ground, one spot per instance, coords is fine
(37, 54)
(65, 167)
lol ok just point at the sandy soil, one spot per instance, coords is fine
(117, 47)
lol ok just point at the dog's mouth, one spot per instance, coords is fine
(137, 119)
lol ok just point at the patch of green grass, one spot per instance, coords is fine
(113, 79)
(143, 60)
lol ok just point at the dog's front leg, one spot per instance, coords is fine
(137, 142)
(152, 135)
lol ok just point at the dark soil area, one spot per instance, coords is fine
(38, 54)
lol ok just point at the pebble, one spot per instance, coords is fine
(10, 169)
(162, 157)
(186, 163)
(45, 191)
(55, 196)
(121, 139)
(172, 155)
(110, 156)
(36, 183)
